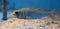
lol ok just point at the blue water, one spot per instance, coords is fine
(44, 4)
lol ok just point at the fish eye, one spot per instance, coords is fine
(16, 12)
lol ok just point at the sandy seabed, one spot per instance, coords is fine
(44, 23)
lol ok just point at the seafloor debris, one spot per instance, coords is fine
(44, 23)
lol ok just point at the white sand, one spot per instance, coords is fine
(14, 23)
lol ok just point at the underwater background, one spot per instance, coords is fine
(46, 5)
